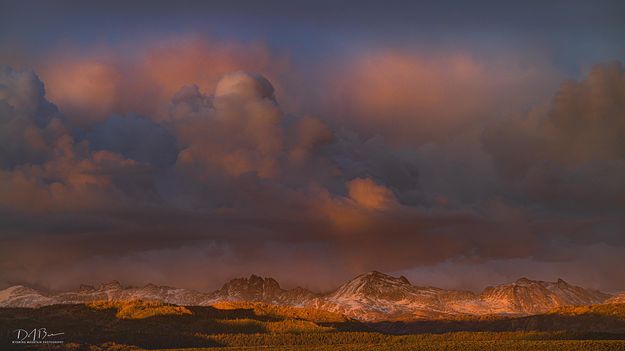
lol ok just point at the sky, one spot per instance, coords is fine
(186, 143)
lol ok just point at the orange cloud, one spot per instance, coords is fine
(74, 180)
(364, 205)
(242, 133)
(367, 194)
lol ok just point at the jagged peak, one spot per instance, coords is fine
(380, 275)
(524, 281)
(373, 278)
(254, 277)
(371, 292)
(112, 285)
(85, 288)
(253, 280)
(257, 278)
(562, 282)
(377, 274)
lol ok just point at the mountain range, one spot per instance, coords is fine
(372, 296)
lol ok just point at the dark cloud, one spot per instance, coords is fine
(565, 162)
(571, 153)
(135, 138)
(26, 127)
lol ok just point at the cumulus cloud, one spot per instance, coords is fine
(244, 86)
(246, 170)
(309, 134)
(44, 167)
(416, 98)
(27, 120)
(228, 160)
(218, 177)
(368, 194)
(89, 85)
(570, 153)
(86, 90)
(241, 132)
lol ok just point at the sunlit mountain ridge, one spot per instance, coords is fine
(372, 296)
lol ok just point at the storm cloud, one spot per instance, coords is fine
(569, 154)
(229, 177)
(311, 148)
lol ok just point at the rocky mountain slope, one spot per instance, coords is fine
(526, 296)
(372, 296)
(377, 296)
(21, 296)
(617, 298)
(260, 289)
(253, 288)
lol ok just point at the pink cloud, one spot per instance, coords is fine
(90, 85)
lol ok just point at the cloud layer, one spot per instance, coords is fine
(184, 169)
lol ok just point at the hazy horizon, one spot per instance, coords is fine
(218, 285)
